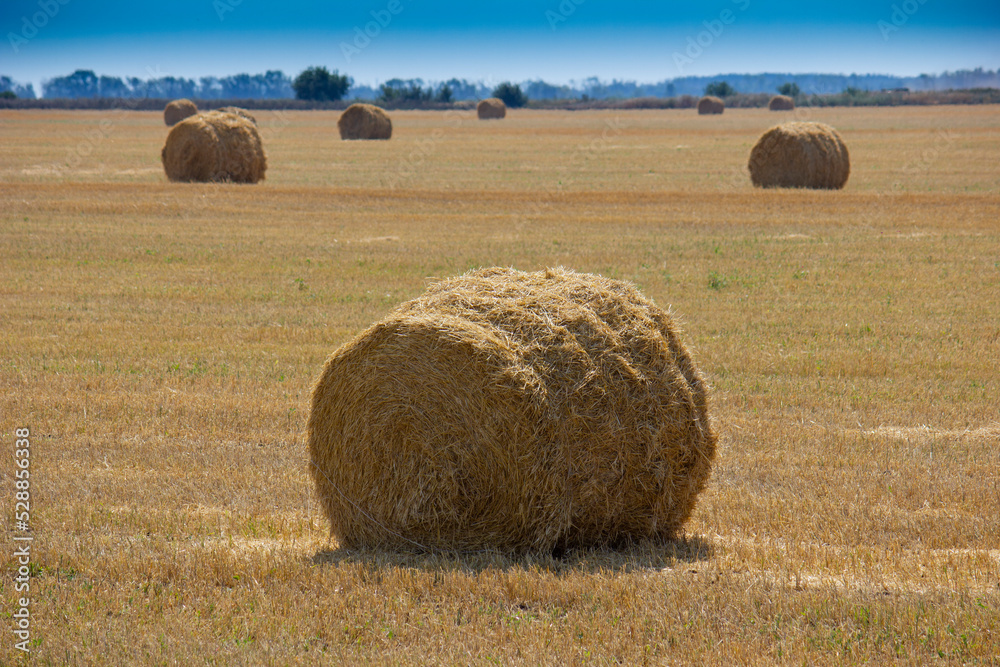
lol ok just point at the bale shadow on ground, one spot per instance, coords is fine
(643, 555)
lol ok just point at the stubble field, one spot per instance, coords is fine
(160, 341)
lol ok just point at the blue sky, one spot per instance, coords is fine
(557, 40)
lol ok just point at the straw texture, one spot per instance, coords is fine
(364, 121)
(214, 146)
(178, 110)
(781, 103)
(800, 155)
(710, 105)
(516, 411)
(491, 108)
(239, 111)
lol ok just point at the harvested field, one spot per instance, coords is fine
(160, 340)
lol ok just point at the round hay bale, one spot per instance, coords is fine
(214, 146)
(781, 103)
(178, 110)
(800, 155)
(491, 108)
(239, 111)
(364, 121)
(514, 411)
(710, 105)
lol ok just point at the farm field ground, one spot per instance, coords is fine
(160, 341)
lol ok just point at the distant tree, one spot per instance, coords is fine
(8, 95)
(209, 88)
(720, 89)
(540, 90)
(444, 94)
(316, 83)
(395, 91)
(511, 94)
(237, 86)
(276, 85)
(790, 89)
(464, 90)
(81, 83)
(7, 85)
(112, 86)
(171, 87)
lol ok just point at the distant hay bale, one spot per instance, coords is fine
(364, 121)
(800, 155)
(781, 103)
(239, 111)
(214, 146)
(491, 108)
(710, 105)
(515, 411)
(178, 110)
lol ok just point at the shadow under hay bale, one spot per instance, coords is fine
(364, 121)
(239, 111)
(178, 110)
(512, 411)
(800, 155)
(710, 105)
(214, 146)
(491, 108)
(781, 103)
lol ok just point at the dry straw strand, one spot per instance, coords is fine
(513, 411)
(239, 111)
(710, 105)
(214, 146)
(800, 155)
(781, 103)
(364, 121)
(178, 110)
(491, 108)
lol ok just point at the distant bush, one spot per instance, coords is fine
(316, 83)
(511, 94)
(719, 89)
(789, 89)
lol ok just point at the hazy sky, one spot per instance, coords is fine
(558, 40)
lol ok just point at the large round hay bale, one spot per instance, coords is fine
(515, 411)
(364, 121)
(239, 111)
(710, 105)
(491, 108)
(781, 103)
(214, 146)
(800, 155)
(178, 110)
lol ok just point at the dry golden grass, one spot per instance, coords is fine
(161, 340)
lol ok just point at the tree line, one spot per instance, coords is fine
(317, 83)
